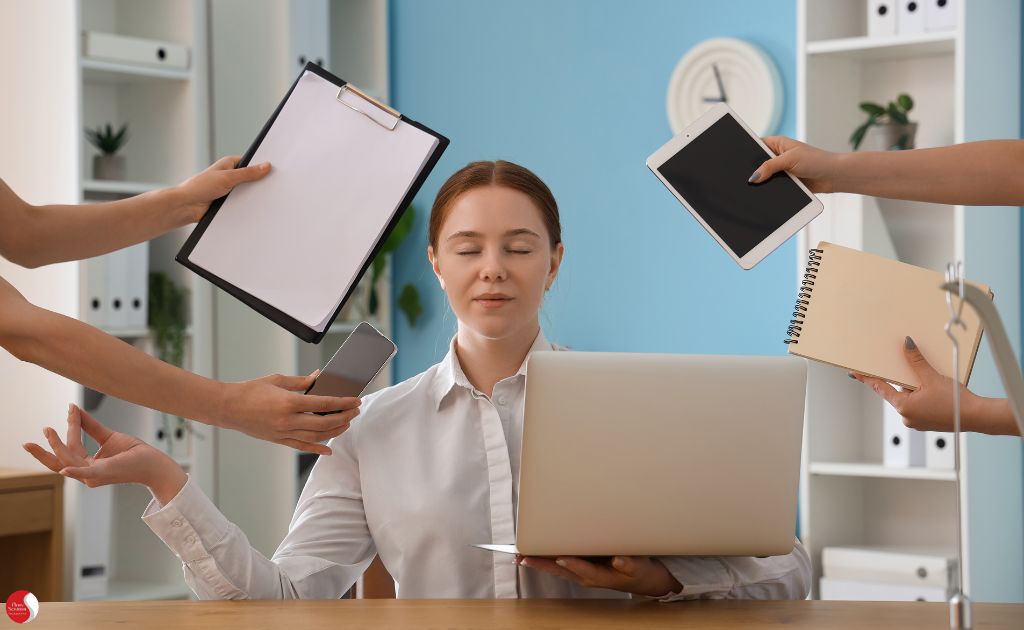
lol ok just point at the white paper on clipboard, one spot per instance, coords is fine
(298, 238)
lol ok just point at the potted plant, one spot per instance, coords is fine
(168, 321)
(107, 165)
(365, 300)
(886, 127)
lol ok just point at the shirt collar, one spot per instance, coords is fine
(449, 372)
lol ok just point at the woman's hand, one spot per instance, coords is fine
(930, 406)
(816, 168)
(274, 408)
(631, 574)
(196, 192)
(121, 458)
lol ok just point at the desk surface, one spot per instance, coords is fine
(711, 615)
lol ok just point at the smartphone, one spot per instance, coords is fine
(359, 359)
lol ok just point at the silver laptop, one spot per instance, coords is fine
(659, 454)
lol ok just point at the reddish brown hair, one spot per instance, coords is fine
(499, 173)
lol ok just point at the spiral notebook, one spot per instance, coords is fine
(855, 309)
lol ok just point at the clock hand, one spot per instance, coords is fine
(718, 80)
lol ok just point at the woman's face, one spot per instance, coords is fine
(494, 260)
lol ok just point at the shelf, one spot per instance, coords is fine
(138, 590)
(111, 187)
(100, 71)
(136, 333)
(841, 469)
(895, 47)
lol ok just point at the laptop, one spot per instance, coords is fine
(659, 455)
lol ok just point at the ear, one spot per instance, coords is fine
(556, 262)
(435, 264)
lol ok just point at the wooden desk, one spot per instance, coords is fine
(31, 534)
(368, 613)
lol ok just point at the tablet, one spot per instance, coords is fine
(707, 165)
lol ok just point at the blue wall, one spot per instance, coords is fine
(575, 90)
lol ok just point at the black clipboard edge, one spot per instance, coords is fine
(289, 323)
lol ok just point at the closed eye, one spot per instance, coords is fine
(468, 253)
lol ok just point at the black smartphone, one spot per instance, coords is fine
(362, 355)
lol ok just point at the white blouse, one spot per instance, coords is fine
(428, 469)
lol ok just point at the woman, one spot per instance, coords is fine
(975, 173)
(271, 408)
(432, 466)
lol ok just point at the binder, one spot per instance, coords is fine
(910, 18)
(137, 285)
(940, 15)
(903, 447)
(881, 18)
(854, 310)
(93, 308)
(294, 245)
(117, 289)
(939, 451)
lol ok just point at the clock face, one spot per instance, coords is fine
(730, 70)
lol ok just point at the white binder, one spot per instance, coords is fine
(137, 285)
(903, 447)
(294, 244)
(910, 17)
(117, 289)
(940, 15)
(938, 450)
(93, 307)
(881, 17)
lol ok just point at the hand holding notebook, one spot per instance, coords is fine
(854, 310)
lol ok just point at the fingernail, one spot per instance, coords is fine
(560, 562)
(909, 343)
(71, 408)
(852, 375)
(754, 177)
(618, 562)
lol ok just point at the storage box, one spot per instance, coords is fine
(912, 566)
(124, 49)
(863, 591)
(903, 447)
(881, 18)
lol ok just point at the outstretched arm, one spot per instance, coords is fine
(33, 236)
(974, 173)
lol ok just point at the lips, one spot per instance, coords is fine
(492, 300)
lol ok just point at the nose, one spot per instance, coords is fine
(493, 269)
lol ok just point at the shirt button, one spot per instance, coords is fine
(191, 540)
(501, 400)
(176, 522)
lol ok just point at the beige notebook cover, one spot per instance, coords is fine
(861, 307)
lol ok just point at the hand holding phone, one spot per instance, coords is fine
(359, 359)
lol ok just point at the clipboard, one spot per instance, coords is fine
(277, 260)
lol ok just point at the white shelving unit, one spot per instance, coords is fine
(60, 92)
(259, 47)
(966, 86)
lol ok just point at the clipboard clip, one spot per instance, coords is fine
(366, 97)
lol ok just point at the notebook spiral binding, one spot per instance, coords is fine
(803, 298)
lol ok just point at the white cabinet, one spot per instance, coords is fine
(963, 91)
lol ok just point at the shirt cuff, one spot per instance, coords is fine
(700, 577)
(189, 524)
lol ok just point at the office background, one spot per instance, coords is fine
(573, 89)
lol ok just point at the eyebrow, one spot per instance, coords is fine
(515, 232)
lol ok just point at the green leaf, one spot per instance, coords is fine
(409, 303)
(905, 102)
(873, 109)
(896, 115)
(402, 229)
(168, 318)
(858, 135)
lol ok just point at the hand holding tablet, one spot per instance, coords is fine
(707, 167)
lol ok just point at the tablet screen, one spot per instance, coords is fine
(711, 174)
